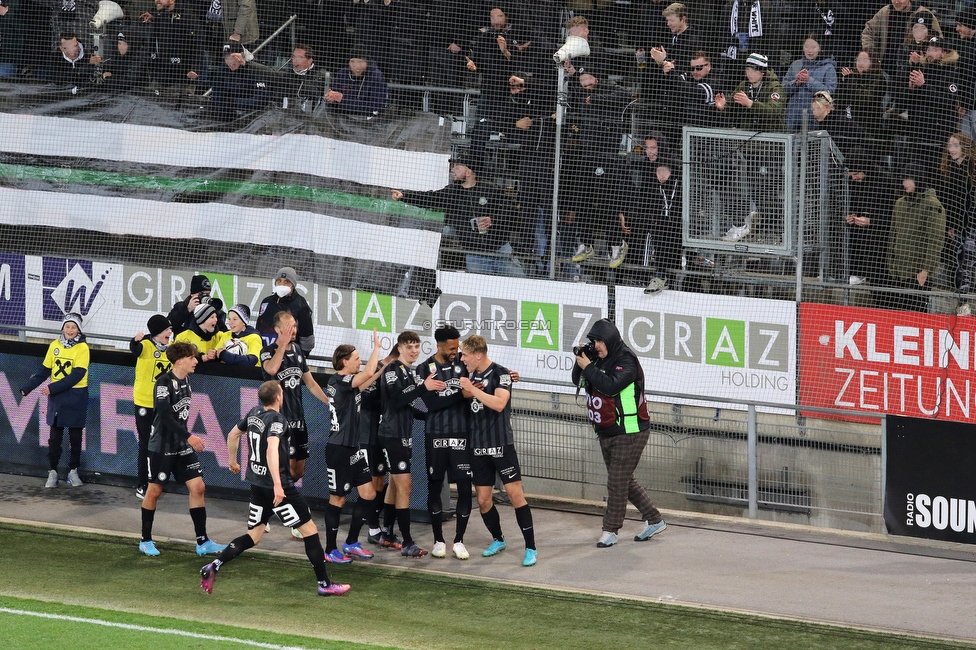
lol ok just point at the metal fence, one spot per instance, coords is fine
(739, 459)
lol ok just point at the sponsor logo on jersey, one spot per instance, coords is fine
(161, 392)
(489, 451)
(277, 428)
(505, 380)
(390, 377)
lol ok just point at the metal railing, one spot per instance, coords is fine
(733, 457)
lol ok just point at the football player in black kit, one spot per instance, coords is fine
(398, 390)
(369, 425)
(493, 445)
(346, 461)
(284, 360)
(173, 449)
(272, 490)
(446, 437)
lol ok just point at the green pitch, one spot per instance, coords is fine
(99, 592)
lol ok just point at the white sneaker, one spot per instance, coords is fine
(296, 535)
(583, 253)
(267, 527)
(854, 280)
(736, 233)
(52, 479)
(73, 479)
(460, 552)
(962, 310)
(656, 285)
(618, 254)
(439, 550)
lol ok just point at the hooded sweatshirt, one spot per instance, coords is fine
(823, 76)
(614, 385)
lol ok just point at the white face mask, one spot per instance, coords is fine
(282, 290)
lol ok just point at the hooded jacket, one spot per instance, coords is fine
(823, 76)
(918, 225)
(615, 402)
(769, 107)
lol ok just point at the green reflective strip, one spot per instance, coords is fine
(627, 398)
(193, 185)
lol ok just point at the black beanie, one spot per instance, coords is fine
(157, 325)
(199, 283)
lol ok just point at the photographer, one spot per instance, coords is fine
(614, 382)
(181, 315)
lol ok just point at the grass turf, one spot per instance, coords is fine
(398, 608)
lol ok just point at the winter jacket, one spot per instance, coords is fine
(299, 308)
(860, 98)
(67, 405)
(823, 76)
(614, 385)
(875, 35)
(768, 110)
(932, 106)
(365, 95)
(918, 225)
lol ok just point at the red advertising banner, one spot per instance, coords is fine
(902, 363)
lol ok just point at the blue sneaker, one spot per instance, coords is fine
(356, 550)
(494, 548)
(335, 556)
(210, 547)
(650, 530)
(148, 548)
(530, 558)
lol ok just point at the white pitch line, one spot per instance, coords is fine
(142, 628)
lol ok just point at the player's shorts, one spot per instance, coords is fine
(375, 459)
(184, 466)
(450, 454)
(488, 461)
(293, 511)
(297, 440)
(397, 452)
(347, 468)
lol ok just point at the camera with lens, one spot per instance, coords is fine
(588, 351)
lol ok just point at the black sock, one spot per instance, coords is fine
(463, 510)
(373, 516)
(147, 524)
(389, 516)
(524, 518)
(359, 514)
(435, 509)
(403, 521)
(235, 548)
(315, 554)
(199, 517)
(493, 523)
(332, 513)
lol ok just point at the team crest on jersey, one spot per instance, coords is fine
(161, 476)
(176, 384)
(291, 450)
(57, 351)
(476, 406)
(142, 411)
(381, 467)
(402, 465)
(161, 391)
(157, 354)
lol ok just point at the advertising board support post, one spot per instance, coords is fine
(753, 462)
(800, 224)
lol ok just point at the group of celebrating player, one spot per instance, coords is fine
(468, 437)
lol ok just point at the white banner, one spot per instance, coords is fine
(718, 346)
(268, 227)
(292, 152)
